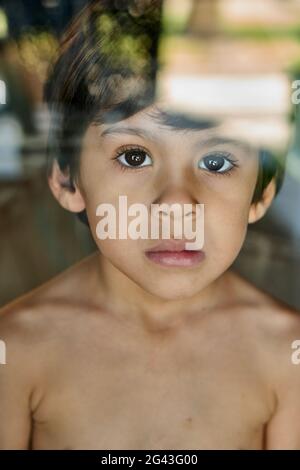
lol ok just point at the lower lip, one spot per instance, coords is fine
(176, 258)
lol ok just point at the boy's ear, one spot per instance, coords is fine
(69, 198)
(259, 208)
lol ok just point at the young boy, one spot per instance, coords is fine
(146, 345)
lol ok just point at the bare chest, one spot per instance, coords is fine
(152, 402)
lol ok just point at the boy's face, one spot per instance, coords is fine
(149, 162)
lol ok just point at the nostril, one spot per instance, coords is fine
(189, 213)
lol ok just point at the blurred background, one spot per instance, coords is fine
(228, 58)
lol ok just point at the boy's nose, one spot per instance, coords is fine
(177, 195)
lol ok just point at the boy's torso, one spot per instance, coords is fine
(105, 385)
(109, 387)
(110, 392)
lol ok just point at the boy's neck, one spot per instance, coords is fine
(139, 309)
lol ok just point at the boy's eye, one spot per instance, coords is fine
(216, 162)
(134, 158)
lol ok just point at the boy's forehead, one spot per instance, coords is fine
(158, 120)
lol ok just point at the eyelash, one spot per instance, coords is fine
(228, 157)
(126, 148)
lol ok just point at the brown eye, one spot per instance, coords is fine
(216, 162)
(134, 158)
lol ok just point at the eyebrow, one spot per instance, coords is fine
(137, 131)
(212, 141)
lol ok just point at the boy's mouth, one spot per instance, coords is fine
(172, 253)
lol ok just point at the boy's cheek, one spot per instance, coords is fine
(229, 211)
(225, 228)
(126, 255)
(106, 190)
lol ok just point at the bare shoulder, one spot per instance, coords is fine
(273, 327)
(263, 304)
(273, 333)
(34, 325)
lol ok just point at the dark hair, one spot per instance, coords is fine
(106, 71)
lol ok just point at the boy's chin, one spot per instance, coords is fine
(172, 292)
